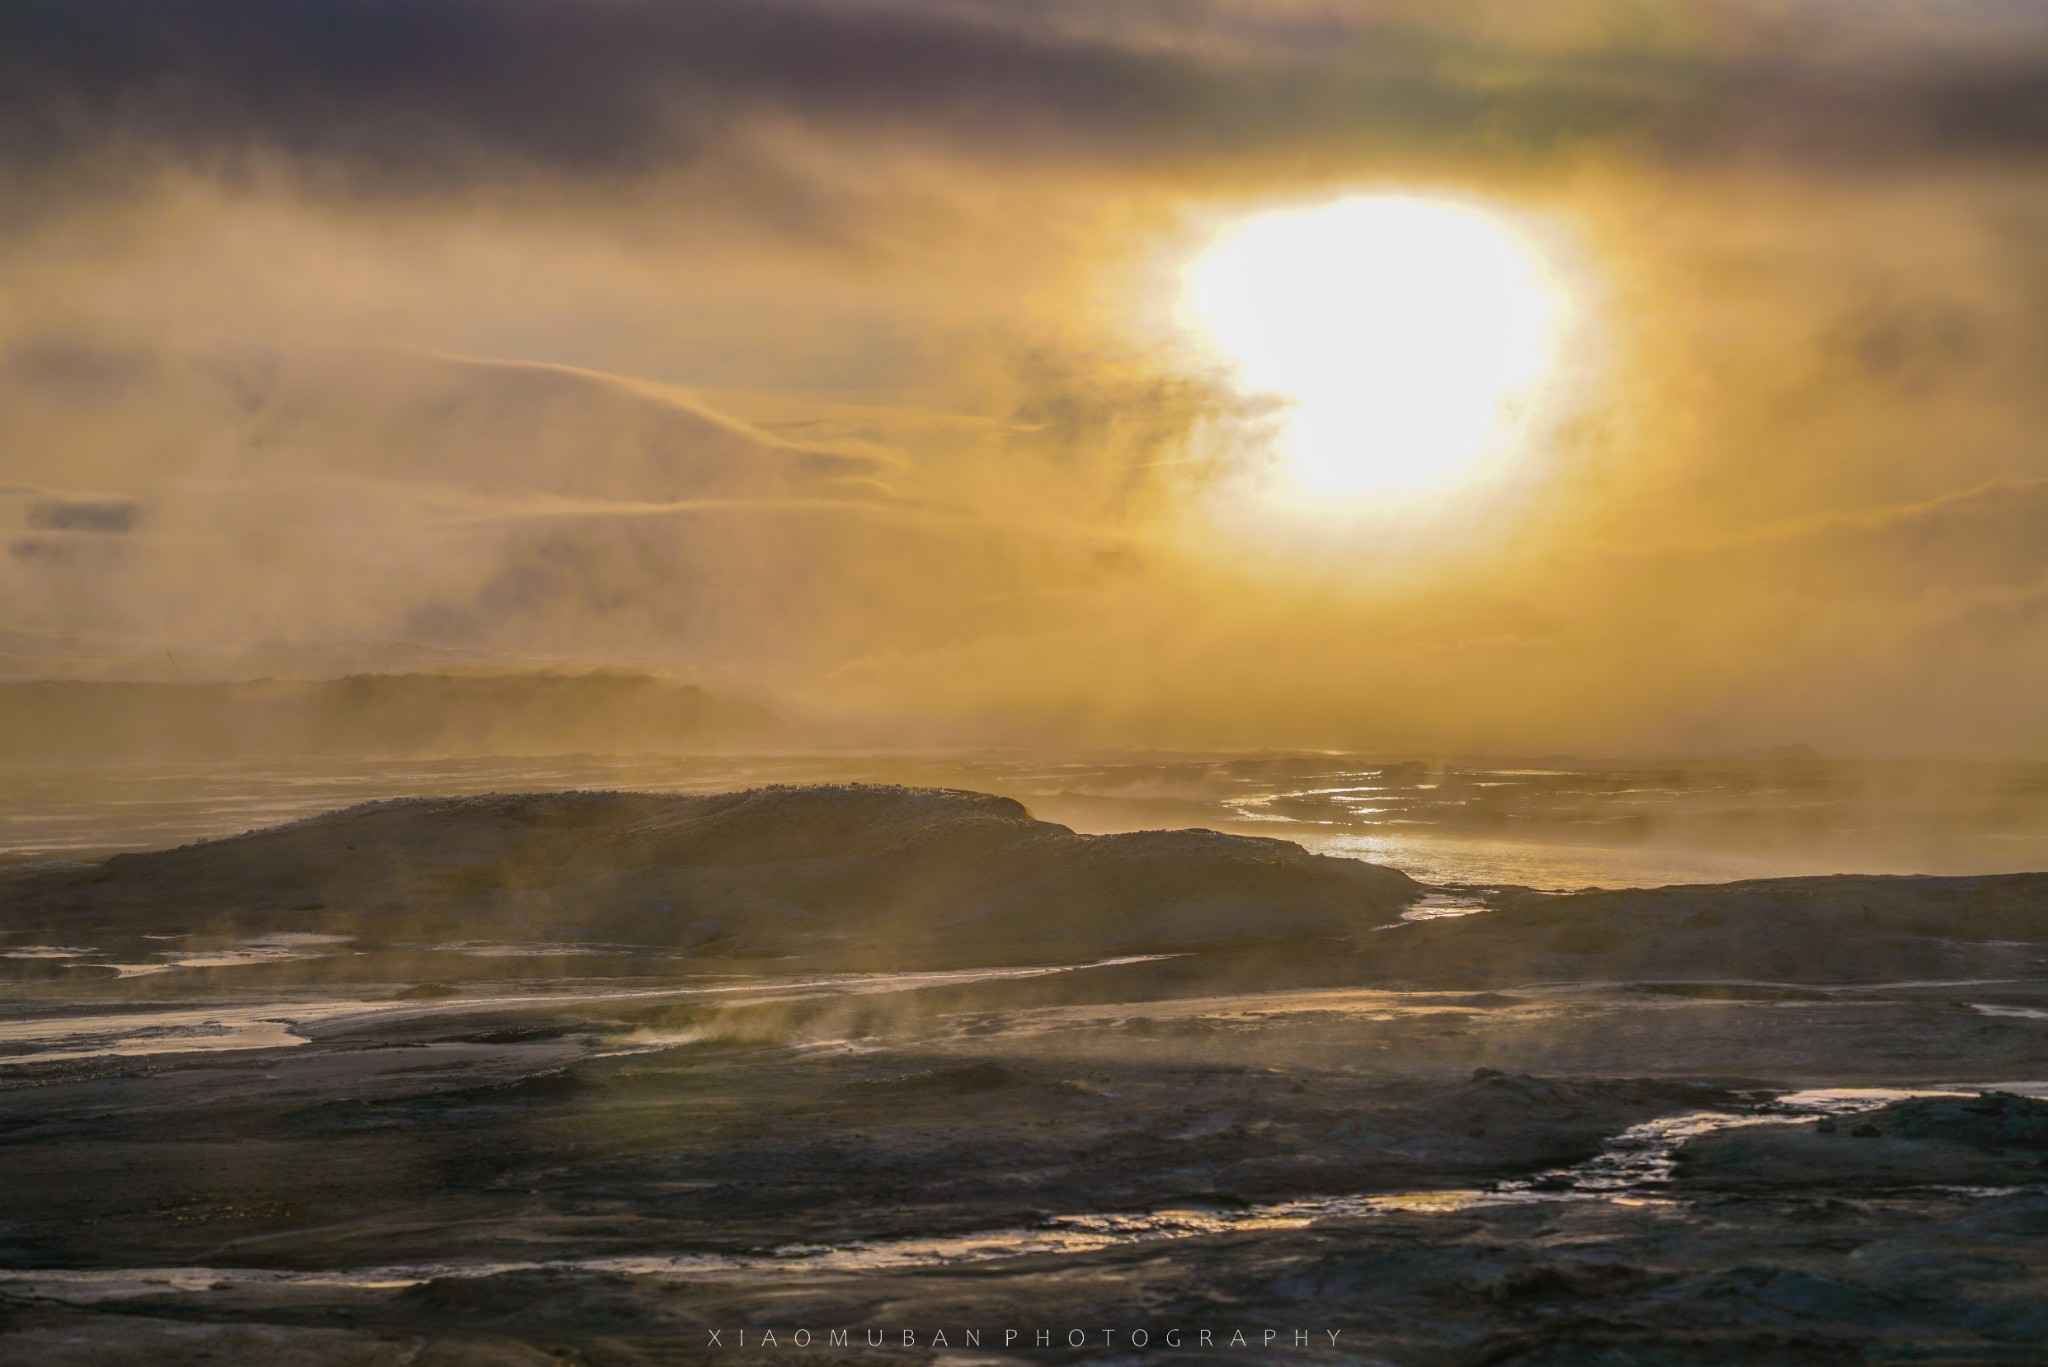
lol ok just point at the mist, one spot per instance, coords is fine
(824, 357)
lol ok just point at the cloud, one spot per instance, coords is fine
(494, 510)
(516, 429)
(107, 516)
(826, 349)
(419, 90)
(420, 96)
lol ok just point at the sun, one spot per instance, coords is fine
(1405, 341)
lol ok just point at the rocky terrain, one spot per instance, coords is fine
(625, 1079)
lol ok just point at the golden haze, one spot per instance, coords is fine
(893, 415)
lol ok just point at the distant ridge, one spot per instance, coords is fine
(374, 715)
(848, 873)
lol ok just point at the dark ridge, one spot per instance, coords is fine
(883, 873)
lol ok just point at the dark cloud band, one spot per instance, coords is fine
(434, 87)
(419, 92)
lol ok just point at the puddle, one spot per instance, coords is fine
(2031, 1013)
(1634, 1170)
(493, 949)
(261, 949)
(139, 1034)
(1438, 906)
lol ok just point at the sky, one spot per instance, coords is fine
(836, 354)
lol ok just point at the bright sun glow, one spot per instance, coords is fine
(1408, 338)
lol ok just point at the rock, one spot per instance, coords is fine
(1992, 1139)
(899, 874)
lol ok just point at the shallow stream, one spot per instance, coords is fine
(1633, 1170)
